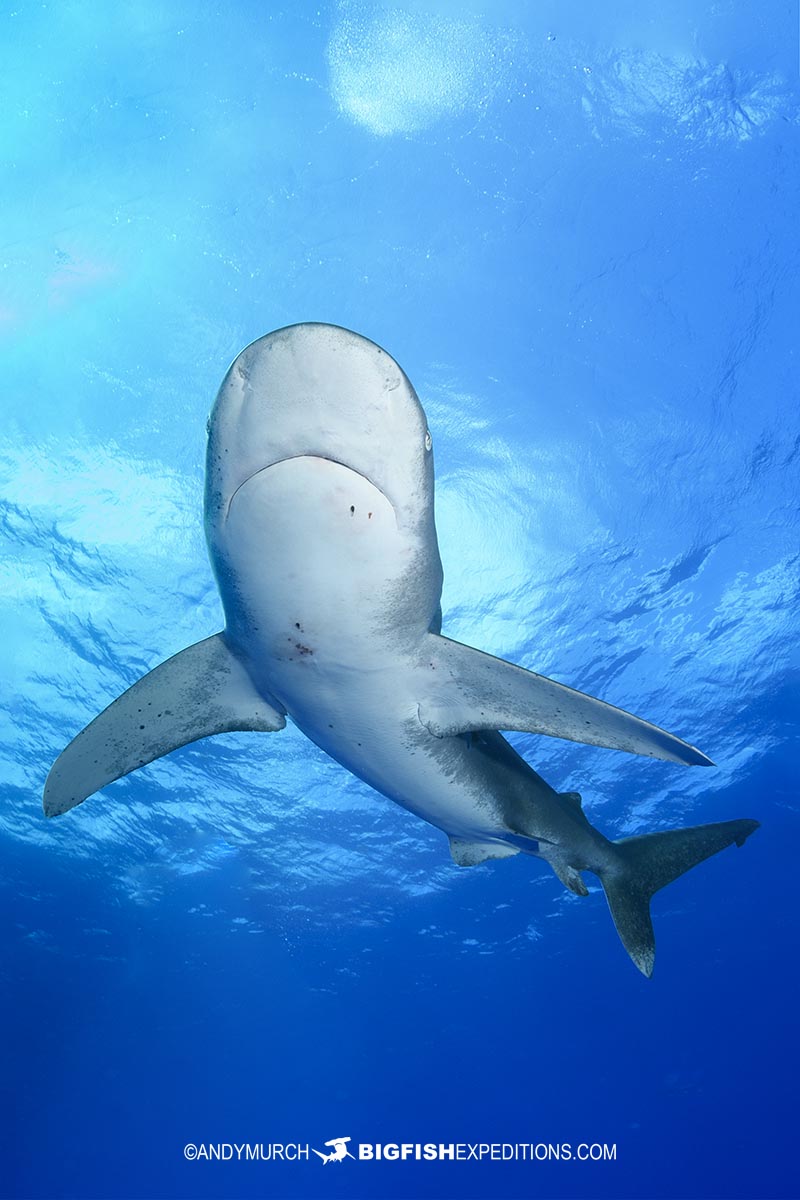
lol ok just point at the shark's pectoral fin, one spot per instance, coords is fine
(470, 854)
(201, 691)
(465, 689)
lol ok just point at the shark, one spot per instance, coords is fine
(319, 519)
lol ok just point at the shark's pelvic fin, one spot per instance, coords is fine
(201, 691)
(470, 854)
(645, 864)
(570, 878)
(466, 689)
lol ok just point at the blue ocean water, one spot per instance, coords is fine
(575, 226)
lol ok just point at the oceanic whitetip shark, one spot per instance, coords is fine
(320, 527)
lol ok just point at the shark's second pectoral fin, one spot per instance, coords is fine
(465, 689)
(201, 691)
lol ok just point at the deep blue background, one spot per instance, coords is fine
(575, 226)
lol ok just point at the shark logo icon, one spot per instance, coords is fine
(339, 1151)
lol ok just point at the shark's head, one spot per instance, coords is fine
(319, 391)
(320, 463)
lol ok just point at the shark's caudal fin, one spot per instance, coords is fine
(201, 691)
(645, 864)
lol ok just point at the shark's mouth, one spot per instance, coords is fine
(291, 458)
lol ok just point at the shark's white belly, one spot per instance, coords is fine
(322, 609)
(367, 720)
(321, 568)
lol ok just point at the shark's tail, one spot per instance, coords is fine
(644, 864)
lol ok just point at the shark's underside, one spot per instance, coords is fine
(319, 519)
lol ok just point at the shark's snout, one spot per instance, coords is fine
(320, 392)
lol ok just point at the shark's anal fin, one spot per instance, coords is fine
(466, 689)
(201, 691)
